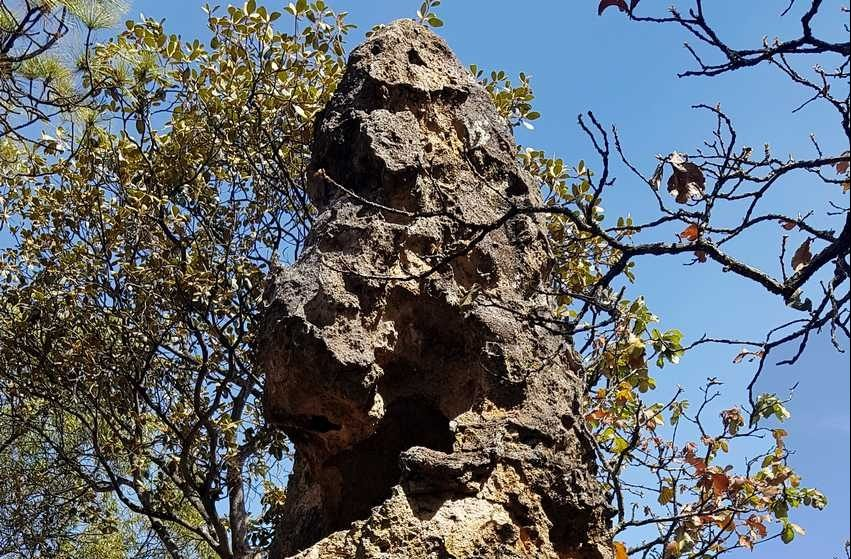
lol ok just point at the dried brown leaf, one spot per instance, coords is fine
(656, 179)
(802, 256)
(672, 549)
(720, 484)
(750, 354)
(843, 166)
(619, 4)
(687, 182)
(756, 526)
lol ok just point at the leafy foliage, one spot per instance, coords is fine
(140, 238)
(426, 15)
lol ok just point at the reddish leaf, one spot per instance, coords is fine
(620, 4)
(733, 420)
(724, 521)
(690, 233)
(597, 415)
(698, 464)
(787, 224)
(720, 484)
(672, 549)
(843, 166)
(701, 256)
(620, 550)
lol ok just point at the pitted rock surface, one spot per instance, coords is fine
(431, 416)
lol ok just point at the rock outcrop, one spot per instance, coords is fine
(431, 416)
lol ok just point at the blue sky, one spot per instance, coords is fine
(626, 74)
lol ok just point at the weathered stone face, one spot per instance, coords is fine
(431, 417)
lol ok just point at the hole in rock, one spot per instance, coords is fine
(415, 58)
(368, 471)
(320, 424)
(516, 186)
(320, 311)
(570, 526)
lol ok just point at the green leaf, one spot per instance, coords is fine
(780, 509)
(620, 444)
(788, 533)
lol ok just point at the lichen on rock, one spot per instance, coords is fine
(431, 415)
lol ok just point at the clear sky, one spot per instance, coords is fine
(626, 73)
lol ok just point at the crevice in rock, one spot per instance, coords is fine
(368, 471)
(568, 530)
(414, 58)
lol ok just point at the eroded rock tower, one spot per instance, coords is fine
(432, 416)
